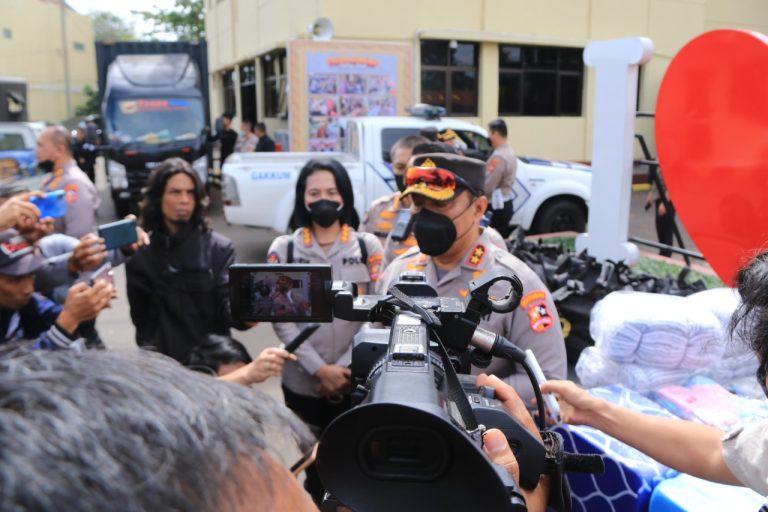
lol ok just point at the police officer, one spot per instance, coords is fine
(500, 178)
(54, 154)
(401, 238)
(324, 220)
(448, 198)
(382, 216)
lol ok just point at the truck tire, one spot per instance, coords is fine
(560, 215)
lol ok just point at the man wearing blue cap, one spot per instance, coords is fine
(26, 315)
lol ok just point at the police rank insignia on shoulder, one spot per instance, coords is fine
(476, 256)
(535, 305)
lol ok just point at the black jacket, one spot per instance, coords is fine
(178, 290)
(265, 143)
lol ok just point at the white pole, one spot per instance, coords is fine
(63, 18)
(616, 64)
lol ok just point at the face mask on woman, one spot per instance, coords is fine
(324, 212)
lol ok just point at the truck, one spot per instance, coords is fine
(258, 188)
(154, 105)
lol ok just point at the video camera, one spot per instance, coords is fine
(415, 427)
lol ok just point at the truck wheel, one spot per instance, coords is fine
(560, 215)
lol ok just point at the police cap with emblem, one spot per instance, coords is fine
(441, 176)
(18, 257)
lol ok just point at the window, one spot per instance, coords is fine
(449, 76)
(274, 73)
(477, 145)
(540, 80)
(79, 47)
(248, 91)
(7, 33)
(228, 89)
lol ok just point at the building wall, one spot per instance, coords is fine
(242, 30)
(34, 52)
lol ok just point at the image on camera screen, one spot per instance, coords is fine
(280, 295)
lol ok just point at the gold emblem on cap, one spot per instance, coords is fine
(428, 163)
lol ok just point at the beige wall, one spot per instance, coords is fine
(34, 53)
(244, 29)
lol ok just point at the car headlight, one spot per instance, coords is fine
(229, 191)
(118, 176)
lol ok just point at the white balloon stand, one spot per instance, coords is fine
(616, 63)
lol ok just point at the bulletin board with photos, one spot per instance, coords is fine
(335, 80)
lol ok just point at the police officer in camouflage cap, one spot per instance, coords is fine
(447, 191)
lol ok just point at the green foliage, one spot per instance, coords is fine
(111, 27)
(91, 105)
(186, 20)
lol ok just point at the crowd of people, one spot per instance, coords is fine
(161, 436)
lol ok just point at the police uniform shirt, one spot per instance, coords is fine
(332, 342)
(533, 325)
(396, 248)
(82, 200)
(500, 172)
(381, 216)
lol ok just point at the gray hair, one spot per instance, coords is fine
(407, 142)
(103, 430)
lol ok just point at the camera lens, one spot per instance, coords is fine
(404, 453)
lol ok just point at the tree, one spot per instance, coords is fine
(186, 20)
(111, 27)
(91, 105)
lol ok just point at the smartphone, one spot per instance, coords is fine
(118, 234)
(280, 293)
(402, 226)
(103, 273)
(51, 204)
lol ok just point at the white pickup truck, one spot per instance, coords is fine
(258, 188)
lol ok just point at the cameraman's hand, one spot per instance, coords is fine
(84, 303)
(496, 446)
(334, 380)
(577, 406)
(89, 254)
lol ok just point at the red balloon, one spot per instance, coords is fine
(712, 140)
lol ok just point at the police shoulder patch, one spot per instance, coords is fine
(273, 257)
(535, 306)
(492, 164)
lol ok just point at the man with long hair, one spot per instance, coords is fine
(178, 285)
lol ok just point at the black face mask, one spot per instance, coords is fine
(435, 233)
(45, 166)
(324, 212)
(400, 182)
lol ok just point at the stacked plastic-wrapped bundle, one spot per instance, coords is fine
(645, 340)
(738, 361)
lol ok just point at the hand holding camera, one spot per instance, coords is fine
(89, 254)
(334, 380)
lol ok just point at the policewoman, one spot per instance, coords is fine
(453, 250)
(324, 220)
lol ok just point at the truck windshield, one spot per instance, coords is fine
(154, 120)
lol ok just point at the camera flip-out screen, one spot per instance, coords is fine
(280, 293)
